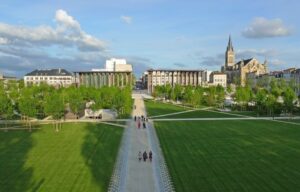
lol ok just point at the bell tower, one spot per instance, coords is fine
(229, 55)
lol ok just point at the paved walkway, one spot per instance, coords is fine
(130, 175)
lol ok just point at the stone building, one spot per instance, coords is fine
(237, 72)
(296, 78)
(173, 77)
(99, 79)
(116, 73)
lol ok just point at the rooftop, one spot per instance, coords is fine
(49, 72)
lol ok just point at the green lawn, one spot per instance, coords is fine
(158, 108)
(291, 120)
(78, 158)
(244, 155)
(199, 114)
(246, 113)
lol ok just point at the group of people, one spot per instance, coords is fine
(145, 156)
(140, 121)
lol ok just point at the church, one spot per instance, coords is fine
(237, 72)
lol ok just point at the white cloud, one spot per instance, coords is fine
(66, 45)
(66, 20)
(67, 33)
(263, 28)
(276, 62)
(248, 53)
(3, 41)
(126, 19)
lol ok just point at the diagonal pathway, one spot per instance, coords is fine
(129, 174)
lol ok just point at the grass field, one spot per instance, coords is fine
(78, 158)
(291, 120)
(158, 108)
(199, 114)
(236, 155)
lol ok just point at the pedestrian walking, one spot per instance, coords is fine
(140, 156)
(145, 156)
(144, 125)
(150, 156)
(139, 124)
(134, 118)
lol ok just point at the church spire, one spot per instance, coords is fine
(229, 46)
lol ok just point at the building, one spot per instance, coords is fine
(296, 78)
(182, 77)
(99, 79)
(237, 72)
(5, 78)
(115, 65)
(55, 77)
(218, 78)
(116, 73)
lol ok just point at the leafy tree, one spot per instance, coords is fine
(76, 101)
(54, 106)
(288, 99)
(177, 92)
(6, 107)
(261, 98)
(271, 104)
(28, 105)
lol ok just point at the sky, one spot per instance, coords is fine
(192, 34)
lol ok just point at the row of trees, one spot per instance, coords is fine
(44, 100)
(273, 98)
(189, 95)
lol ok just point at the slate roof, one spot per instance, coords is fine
(246, 61)
(49, 72)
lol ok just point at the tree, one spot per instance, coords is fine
(243, 95)
(6, 106)
(177, 92)
(210, 96)
(261, 98)
(28, 105)
(288, 99)
(76, 101)
(271, 104)
(54, 106)
(220, 94)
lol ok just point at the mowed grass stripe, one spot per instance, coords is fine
(78, 158)
(232, 155)
(200, 114)
(158, 108)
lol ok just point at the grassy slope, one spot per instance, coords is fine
(232, 155)
(198, 114)
(78, 158)
(159, 108)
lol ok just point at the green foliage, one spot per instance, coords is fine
(6, 107)
(39, 101)
(288, 99)
(54, 105)
(28, 106)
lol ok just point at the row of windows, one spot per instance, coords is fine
(48, 78)
(50, 81)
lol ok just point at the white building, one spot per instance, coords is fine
(54, 77)
(218, 78)
(156, 77)
(116, 65)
